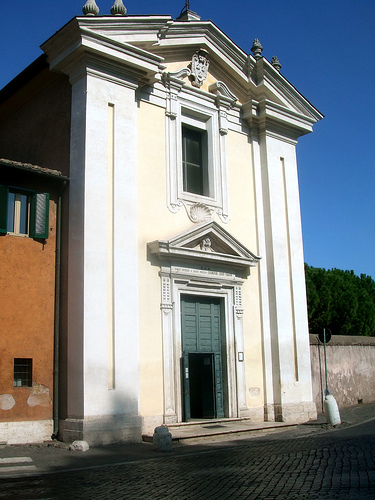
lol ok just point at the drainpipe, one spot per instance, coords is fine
(57, 319)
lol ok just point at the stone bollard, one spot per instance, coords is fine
(79, 446)
(331, 410)
(162, 439)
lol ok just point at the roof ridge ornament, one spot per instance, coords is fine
(90, 8)
(188, 15)
(118, 8)
(256, 49)
(276, 63)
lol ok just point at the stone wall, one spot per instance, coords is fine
(350, 368)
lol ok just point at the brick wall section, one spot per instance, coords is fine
(350, 368)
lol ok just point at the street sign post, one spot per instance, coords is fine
(330, 406)
(325, 337)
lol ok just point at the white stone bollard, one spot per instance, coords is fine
(331, 410)
(162, 439)
(79, 446)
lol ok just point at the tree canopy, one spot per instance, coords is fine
(341, 301)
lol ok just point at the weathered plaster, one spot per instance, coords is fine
(254, 392)
(7, 402)
(39, 395)
(350, 368)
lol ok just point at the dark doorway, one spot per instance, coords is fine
(202, 390)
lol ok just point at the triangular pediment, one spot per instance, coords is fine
(207, 243)
(147, 46)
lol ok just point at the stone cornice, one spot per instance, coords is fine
(139, 45)
(226, 251)
(68, 45)
(270, 112)
(272, 83)
(207, 35)
(277, 120)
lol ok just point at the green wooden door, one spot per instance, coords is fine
(202, 333)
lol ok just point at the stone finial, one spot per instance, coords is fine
(118, 8)
(276, 63)
(90, 8)
(256, 49)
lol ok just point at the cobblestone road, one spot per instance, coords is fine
(334, 465)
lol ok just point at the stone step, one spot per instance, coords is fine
(200, 430)
(216, 421)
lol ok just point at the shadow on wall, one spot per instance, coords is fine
(120, 424)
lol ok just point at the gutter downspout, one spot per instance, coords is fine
(56, 353)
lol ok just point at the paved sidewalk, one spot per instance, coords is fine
(220, 429)
(21, 460)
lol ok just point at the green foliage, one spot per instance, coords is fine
(341, 301)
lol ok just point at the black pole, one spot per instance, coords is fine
(325, 360)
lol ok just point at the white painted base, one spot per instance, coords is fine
(256, 414)
(102, 430)
(296, 413)
(35, 431)
(150, 423)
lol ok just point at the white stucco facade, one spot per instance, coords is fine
(139, 242)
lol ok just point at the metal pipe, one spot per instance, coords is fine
(320, 373)
(325, 360)
(56, 353)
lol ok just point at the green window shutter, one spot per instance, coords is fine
(3, 209)
(39, 215)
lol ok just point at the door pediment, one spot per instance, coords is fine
(209, 244)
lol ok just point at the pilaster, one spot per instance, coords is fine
(285, 328)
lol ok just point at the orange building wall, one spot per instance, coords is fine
(27, 294)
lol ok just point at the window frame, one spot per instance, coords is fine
(205, 123)
(17, 212)
(189, 166)
(38, 212)
(25, 376)
(201, 114)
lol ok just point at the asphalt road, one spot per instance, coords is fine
(337, 464)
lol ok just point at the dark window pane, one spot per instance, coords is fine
(23, 214)
(194, 182)
(23, 372)
(192, 161)
(193, 141)
(10, 221)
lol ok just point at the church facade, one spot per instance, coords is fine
(182, 292)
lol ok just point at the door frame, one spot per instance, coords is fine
(197, 305)
(228, 290)
(228, 357)
(187, 265)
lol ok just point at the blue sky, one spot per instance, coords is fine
(326, 49)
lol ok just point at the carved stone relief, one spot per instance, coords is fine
(238, 301)
(166, 304)
(199, 67)
(199, 212)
